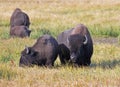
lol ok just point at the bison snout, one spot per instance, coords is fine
(73, 57)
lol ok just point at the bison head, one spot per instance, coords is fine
(76, 45)
(27, 31)
(28, 57)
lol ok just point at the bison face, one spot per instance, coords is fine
(76, 45)
(28, 57)
(27, 31)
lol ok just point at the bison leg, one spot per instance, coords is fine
(87, 62)
(64, 54)
(62, 59)
(49, 64)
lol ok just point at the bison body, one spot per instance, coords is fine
(43, 53)
(19, 18)
(76, 46)
(20, 31)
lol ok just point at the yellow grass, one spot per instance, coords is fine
(56, 16)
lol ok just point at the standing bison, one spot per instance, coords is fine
(19, 18)
(43, 53)
(76, 46)
(20, 31)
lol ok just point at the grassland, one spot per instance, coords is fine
(102, 17)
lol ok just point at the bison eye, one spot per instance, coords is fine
(33, 53)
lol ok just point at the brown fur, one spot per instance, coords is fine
(17, 10)
(19, 18)
(20, 31)
(79, 29)
(76, 46)
(43, 53)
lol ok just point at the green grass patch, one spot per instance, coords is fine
(40, 32)
(105, 31)
(4, 33)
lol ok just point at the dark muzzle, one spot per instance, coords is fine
(73, 57)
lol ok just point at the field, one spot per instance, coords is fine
(102, 17)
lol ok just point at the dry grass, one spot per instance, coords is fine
(53, 16)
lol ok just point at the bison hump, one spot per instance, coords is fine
(79, 29)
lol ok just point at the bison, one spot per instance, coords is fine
(43, 53)
(76, 46)
(20, 31)
(19, 18)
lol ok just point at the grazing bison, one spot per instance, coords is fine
(20, 31)
(43, 53)
(19, 18)
(76, 46)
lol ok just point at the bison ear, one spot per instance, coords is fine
(86, 40)
(27, 50)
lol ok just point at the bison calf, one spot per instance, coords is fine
(43, 53)
(20, 31)
(76, 46)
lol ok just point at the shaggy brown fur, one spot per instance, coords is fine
(79, 29)
(43, 53)
(19, 18)
(77, 44)
(20, 31)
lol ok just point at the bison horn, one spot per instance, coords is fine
(86, 40)
(27, 49)
(67, 41)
